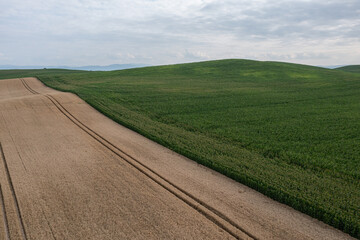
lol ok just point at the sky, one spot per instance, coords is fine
(156, 32)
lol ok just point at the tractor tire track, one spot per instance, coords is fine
(6, 224)
(210, 208)
(13, 193)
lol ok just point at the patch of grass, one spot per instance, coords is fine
(289, 131)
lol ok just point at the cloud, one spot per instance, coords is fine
(170, 31)
(192, 55)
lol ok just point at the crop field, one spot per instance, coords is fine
(289, 131)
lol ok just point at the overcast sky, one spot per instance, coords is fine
(102, 32)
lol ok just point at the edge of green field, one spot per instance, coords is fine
(183, 107)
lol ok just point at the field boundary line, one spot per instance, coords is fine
(199, 205)
(13, 193)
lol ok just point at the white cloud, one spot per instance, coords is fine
(54, 32)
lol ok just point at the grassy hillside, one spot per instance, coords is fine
(289, 131)
(350, 68)
(8, 74)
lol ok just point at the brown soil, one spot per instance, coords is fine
(68, 172)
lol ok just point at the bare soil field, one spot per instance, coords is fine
(68, 172)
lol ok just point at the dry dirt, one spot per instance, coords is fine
(68, 172)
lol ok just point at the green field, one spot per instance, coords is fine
(289, 131)
(350, 68)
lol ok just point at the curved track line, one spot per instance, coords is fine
(195, 205)
(220, 214)
(27, 86)
(6, 224)
(18, 212)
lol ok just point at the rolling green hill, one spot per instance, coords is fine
(17, 73)
(289, 131)
(350, 68)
